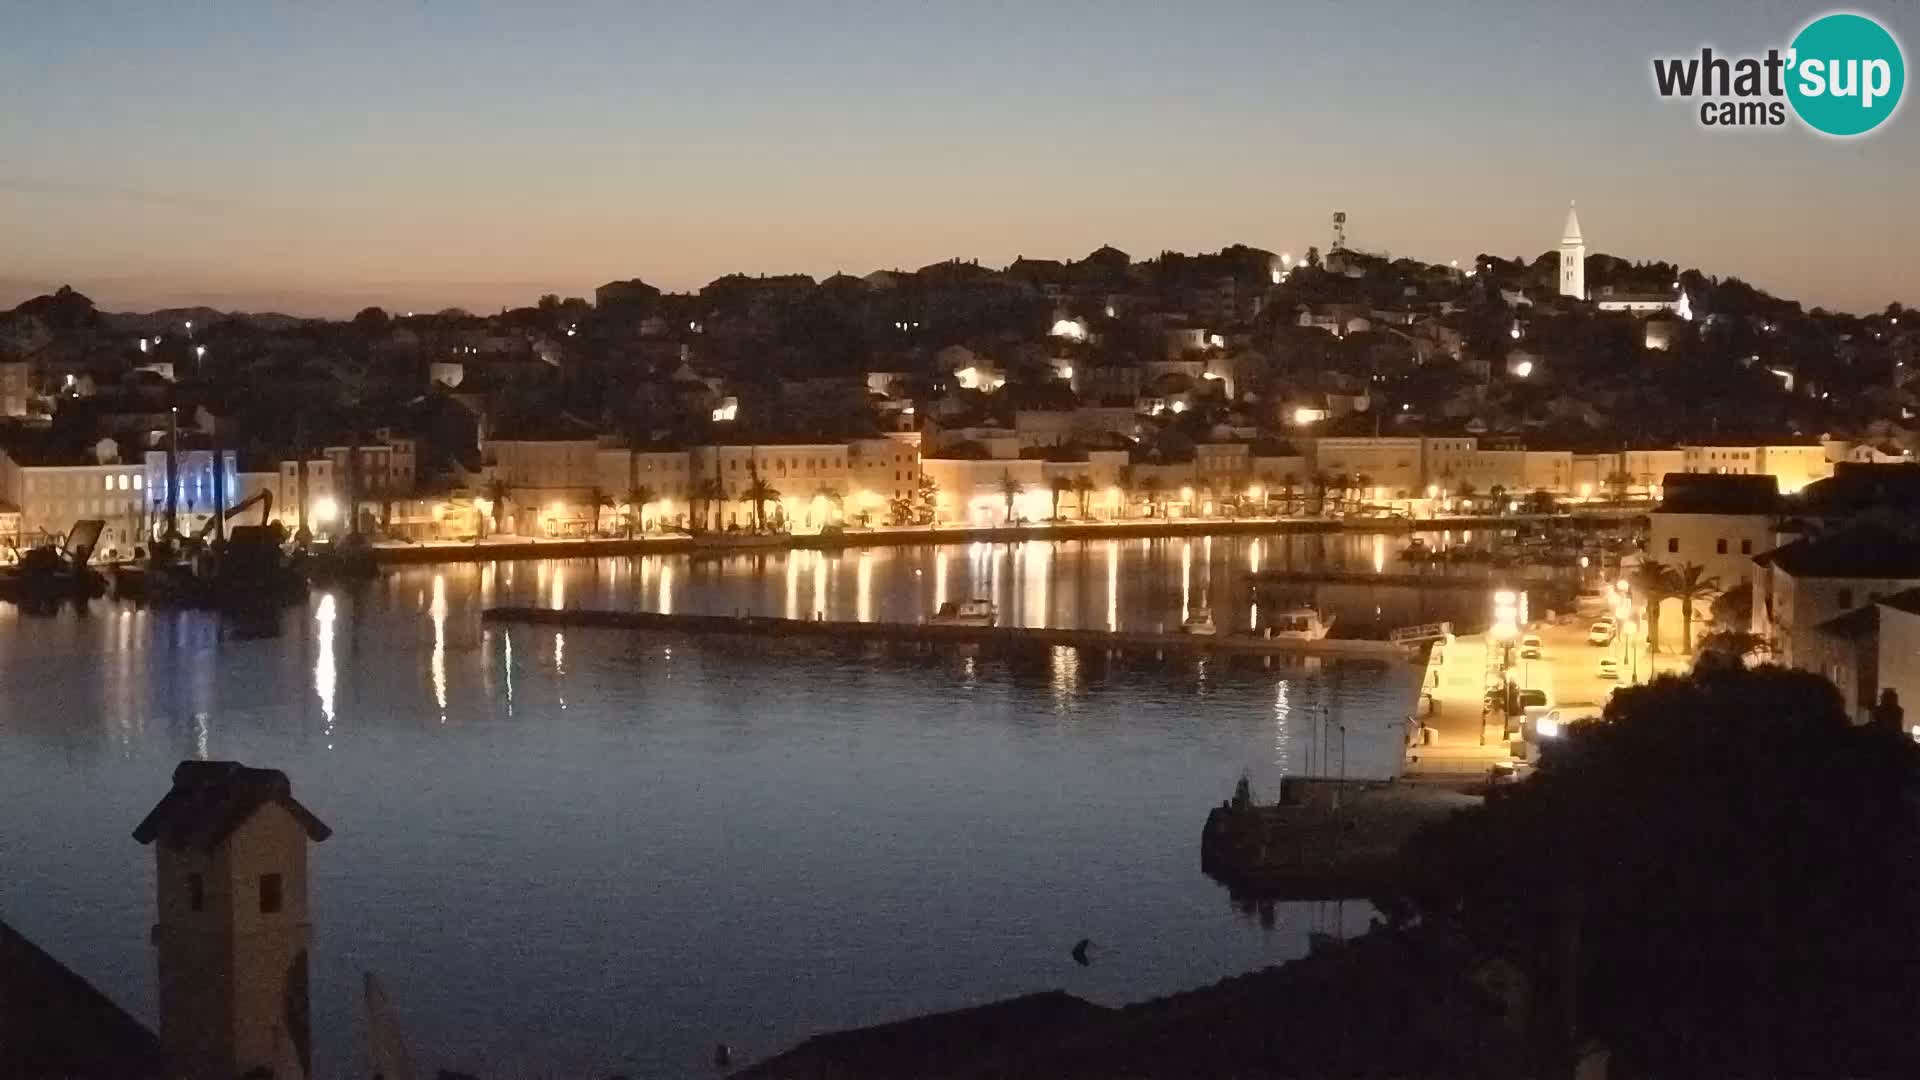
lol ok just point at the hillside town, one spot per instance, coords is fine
(1241, 383)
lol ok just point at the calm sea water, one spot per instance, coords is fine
(570, 852)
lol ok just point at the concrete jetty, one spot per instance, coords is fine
(997, 637)
(1324, 839)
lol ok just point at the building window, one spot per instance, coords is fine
(1746, 547)
(1846, 598)
(1720, 546)
(1673, 544)
(196, 893)
(269, 894)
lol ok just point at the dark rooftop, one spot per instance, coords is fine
(1856, 487)
(1420, 1004)
(930, 1045)
(210, 799)
(1908, 601)
(55, 1023)
(1718, 493)
(1863, 551)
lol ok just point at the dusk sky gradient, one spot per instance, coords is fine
(316, 158)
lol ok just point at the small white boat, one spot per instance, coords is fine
(965, 613)
(1304, 624)
(1200, 622)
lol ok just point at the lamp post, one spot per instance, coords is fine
(1506, 627)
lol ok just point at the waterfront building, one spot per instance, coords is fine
(1792, 465)
(880, 471)
(51, 491)
(1717, 522)
(545, 475)
(975, 491)
(665, 475)
(1385, 467)
(806, 483)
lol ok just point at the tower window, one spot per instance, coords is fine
(196, 893)
(269, 894)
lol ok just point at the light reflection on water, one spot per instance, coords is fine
(678, 834)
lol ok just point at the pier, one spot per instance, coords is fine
(1324, 839)
(996, 637)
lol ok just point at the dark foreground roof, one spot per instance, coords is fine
(54, 1023)
(1718, 493)
(931, 1045)
(1864, 551)
(1382, 1005)
(1857, 487)
(210, 799)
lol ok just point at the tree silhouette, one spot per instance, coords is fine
(1057, 487)
(1655, 581)
(1009, 491)
(1083, 490)
(1718, 878)
(760, 493)
(1692, 584)
(638, 499)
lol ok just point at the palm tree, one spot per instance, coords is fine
(497, 492)
(1618, 482)
(1148, 488)
(600, 501)
(1320, 485)
(1655, 581)
(1362, 484)
(926, 500)
(1058, 486)
(834, 497)
(1498, 493)
(1289, 488)
(760, 493)
(710, 494)
(1692, 584)
(639, 497)
(1009, 490)
(1465, 492)
(1083, 490)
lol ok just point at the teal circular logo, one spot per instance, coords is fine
(1846, 74)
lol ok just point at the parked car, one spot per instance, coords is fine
(1602, 631)
(1530, 647)
(1609, 668)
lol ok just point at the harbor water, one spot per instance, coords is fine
(580, 852)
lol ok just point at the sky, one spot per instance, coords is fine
(418, 154)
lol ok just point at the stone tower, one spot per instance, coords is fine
(1573, 258)
(230, 862)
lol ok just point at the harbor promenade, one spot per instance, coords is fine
(1129, 643)
(495, 548)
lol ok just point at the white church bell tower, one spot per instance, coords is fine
(1573, 258)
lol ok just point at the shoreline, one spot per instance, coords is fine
(519, 548)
